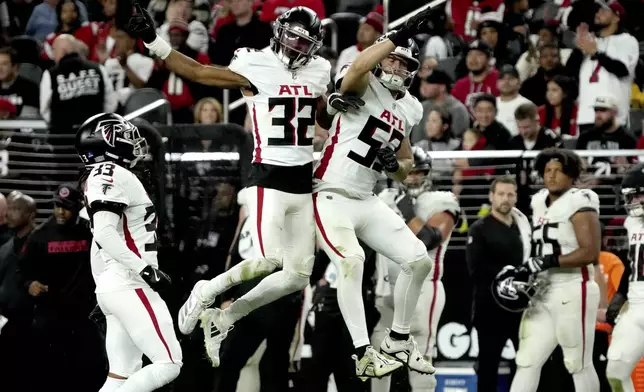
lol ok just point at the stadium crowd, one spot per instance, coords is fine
(494, 75)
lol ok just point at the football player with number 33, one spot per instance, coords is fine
(361, 144)
(283, 86)
(566, 243)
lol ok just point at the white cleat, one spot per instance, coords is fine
(406, 351)
(214, 333)
(374, 364)
(191, 309)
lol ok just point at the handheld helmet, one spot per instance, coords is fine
(419, 179)
(109, 137)
(399, 80)
(297, 36)
(513, 289)
(633, 190)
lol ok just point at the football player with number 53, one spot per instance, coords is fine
(124, 257)
(283, 85)
(361, 144)
(566, 242)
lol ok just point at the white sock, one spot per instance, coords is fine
(526, 379)
(586, 380)
(406, 293)
(112, 384)
(246, 270)
(350, 271)
(151, 377)
(271, 288)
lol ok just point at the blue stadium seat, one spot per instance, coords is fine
(145, 96)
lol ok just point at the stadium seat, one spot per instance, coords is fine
(28, 49)
(145, 96)
(348, 23)
(31, 72)
(636, 118)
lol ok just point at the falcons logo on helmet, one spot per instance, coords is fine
(109, 128)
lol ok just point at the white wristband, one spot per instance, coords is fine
(159, 48)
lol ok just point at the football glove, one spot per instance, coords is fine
(387, 158)
(539, 264)
(155, 278)
(614, 307)
(141, 25)
(343, 102)
(413, 26)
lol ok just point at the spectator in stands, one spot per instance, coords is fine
(54, 268)
(129, 70)
(15, 304)
(560, 111)
(247, 31)
(605, 63)
(69, 22)
(208, 111)
(492, 33)
(515, 18)
(371, 27)
(509, 99)
(21, 92)
(8, 110)
(439, 137)
(466, 15)
(534, 88)
(607, 132)
(496, 134)
(435, 90)
(102, 47)
(5, 231)
(271, 9)
(44, 21)
(197, 33)
(74, 89)
(442, 43)
(528, 64)
(481, 78)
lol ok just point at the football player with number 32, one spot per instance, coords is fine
(361, 144)
(566, 243)
(283, 85)
(627, 344)
(124, 257)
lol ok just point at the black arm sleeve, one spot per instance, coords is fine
(574, 63)
(623, 283)
(611, 65)
(28, 259)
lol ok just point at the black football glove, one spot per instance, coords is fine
(406, 208)
(155, 278)
(343, 102)
(141, 25)
(415, 25)
(538, 264)
(614, 307)
(387, 158)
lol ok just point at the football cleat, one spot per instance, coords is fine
(191, 310)
(406, 351)
(374, 364)
(214, 333)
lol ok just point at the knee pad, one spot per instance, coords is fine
(351, 267)
(617, 371)
(574, 365)
(259, 267)
(295, 282)
(164, 373)
(421, 266)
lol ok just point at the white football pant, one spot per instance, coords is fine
(626, 348)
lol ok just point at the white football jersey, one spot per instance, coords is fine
(110, 182)
(635, 228)
(283, 108)
(595, 81)
(427, 205)
(349, 160)
(554, 233)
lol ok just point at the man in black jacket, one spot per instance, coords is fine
(54, 269)
(14, 302)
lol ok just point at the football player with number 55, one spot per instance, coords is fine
(627, 344)
(124, 257)
(566, 242)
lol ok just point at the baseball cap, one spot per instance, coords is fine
(68, 197)
(374, 20)
(178, 24)
(439, 77)
(508, 69)
(481, 47)
(606, 102)
(614, 6)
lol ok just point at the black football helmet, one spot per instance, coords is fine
(419, 179)
(633, 190)
(513, 289)
(399, 80)
(109, 137)
(297, 36)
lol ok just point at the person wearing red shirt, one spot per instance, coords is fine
(271, 9)
(466, 14)
(220, 15)
(69, 22)
(559, 114)
(481, 78)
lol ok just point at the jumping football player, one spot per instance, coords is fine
(566, 242)
(420, 207)
(283, 85)
(627, 345)
(124, 257)
(361, 144)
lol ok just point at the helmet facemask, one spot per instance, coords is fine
(293, 45)
(633, 202)
(417, 182)
(127, 133)
(399, 79)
